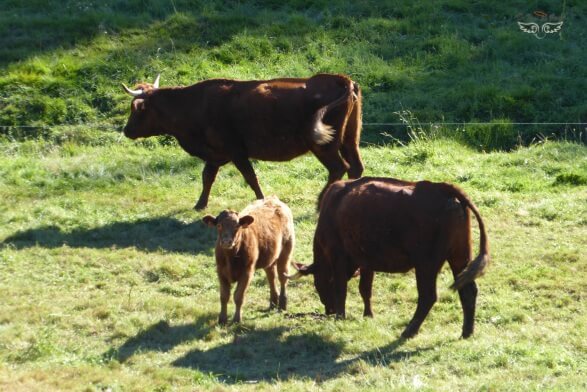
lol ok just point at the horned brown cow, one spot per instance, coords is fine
(224, 120)
(389, 225)
(260, 236)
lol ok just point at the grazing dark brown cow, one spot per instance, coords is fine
(388, 225)
(223, 121)
(261, 236)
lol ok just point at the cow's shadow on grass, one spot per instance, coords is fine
(160, 233)
(161, 337)
(258, 354)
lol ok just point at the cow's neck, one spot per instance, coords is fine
(181, 122)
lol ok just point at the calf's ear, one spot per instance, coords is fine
(245, 221)
(210, 220)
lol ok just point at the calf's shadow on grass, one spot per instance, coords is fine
(254, 355)
(161, 233)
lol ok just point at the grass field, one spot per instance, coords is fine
(107, 275)
(450, 60)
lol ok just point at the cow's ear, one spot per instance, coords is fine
(245, 221)
(210, 220)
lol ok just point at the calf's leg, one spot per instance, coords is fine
(282, 272)
(224, 297)
(270, 272)
(239, 293)
(335, 164)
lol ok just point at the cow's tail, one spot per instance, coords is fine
(324, 133)
(474, 268)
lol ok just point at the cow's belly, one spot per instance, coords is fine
(389, 260)
(276, 148)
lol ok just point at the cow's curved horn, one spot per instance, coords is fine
(134, 93)
(156, 82)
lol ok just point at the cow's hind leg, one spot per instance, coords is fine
(244, 166)
(365, 288)
(467, 296)
(208, 176)
(426, 282)
(335, 164)
(270, 271)
(350, 143)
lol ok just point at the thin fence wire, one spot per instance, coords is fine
(368, 124)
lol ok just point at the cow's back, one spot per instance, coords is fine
(382, 223)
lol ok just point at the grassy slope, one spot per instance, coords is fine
(443, 60)
(107, 277)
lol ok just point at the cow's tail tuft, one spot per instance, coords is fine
(322, 133)
(475, 268)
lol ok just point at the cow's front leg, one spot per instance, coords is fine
(208, 177)
(365, 288)
(244, 166)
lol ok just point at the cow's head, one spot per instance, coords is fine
(323, 282)
(144, 118)
(229, 226)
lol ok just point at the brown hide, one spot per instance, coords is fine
(388, 225)
(260, 236)
(223, 121)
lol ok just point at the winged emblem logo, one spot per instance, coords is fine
(540, 32)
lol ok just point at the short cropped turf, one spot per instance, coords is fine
(107, 275)
(107, 278)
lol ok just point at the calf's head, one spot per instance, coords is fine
(229, 226)
(144, 118)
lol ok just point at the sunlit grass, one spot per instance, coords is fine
(107, 277)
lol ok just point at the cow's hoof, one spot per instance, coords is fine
(409, 333)
(200, 206)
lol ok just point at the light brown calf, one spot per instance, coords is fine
(260, 236)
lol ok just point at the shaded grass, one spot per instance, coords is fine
(107, 277)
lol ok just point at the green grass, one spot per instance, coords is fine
(62, 62)
(107, 276)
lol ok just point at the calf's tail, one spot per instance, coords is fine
(474, 268)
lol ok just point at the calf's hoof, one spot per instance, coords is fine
(282, 303)
(222, 320)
